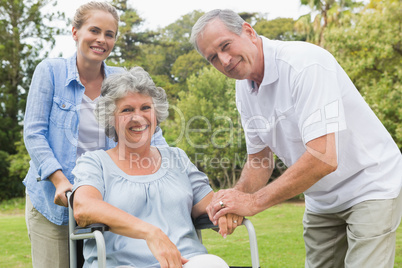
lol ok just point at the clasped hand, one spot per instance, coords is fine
(228, 223)
(232, 203)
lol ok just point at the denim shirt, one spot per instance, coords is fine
(51, 131)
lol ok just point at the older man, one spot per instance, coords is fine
(297, 102)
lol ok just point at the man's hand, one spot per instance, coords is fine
(231, 201)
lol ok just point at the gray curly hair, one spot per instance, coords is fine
(117, 86)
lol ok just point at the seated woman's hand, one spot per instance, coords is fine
(164, 250)
(228, 223)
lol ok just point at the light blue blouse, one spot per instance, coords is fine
(164, 199)
(51, 130)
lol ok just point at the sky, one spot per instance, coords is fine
(160, 13)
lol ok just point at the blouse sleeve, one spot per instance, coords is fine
(158, 139)
(89, 171)
(199, 180)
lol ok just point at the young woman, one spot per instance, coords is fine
(59, 126)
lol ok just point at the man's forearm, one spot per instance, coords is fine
(308, 170)
(252, 180)
(256, 172)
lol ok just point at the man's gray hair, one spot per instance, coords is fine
(230, 19)
(117, 86)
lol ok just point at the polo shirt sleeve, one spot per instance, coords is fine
(317, 96)
(254, 143)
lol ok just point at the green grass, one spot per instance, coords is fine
(279, 234)
(15, 248)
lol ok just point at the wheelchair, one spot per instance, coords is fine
(95, 231)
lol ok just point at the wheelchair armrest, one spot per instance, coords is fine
(203, 222)
(91, 228)
(92, 231)
(76, 230)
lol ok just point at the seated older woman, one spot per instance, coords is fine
(146, 195)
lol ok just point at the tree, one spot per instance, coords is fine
(305, 29)
(328, 12)
(370, 51)
(251, 18)
(207, 127)
(24, 33)
(22, 39)
(277, 29)
(173, 42)
(170, 59)
(127, 51)
(4, 181)
(188, 64)
(17, 169)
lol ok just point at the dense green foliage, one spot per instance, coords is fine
(326, 13)
(369, 48)
(208, 131)
(278, 29)
(366, 41)
(24, 33)
(19, 164)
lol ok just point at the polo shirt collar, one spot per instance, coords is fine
(270, 68)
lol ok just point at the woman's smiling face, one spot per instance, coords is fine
(135, 119)
(96, 37)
